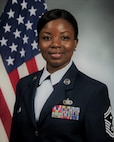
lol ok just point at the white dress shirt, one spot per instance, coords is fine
(46, 87)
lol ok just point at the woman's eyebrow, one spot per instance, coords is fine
(46, 32)
(65, 32)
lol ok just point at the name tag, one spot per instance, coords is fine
(65, 112)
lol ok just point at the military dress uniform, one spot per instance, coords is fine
(78, 110)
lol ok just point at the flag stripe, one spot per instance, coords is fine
(3, 136)
(31, 65)
(40, 61)
(14, 77)
(5, 117)
(5, 86)
(22, 70)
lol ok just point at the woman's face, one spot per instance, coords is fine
(57, 44)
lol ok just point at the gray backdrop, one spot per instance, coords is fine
(95, 52)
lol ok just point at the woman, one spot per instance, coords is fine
(68, 107)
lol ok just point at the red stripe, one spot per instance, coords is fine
(32, 66)
(5, 114)
(14, 77)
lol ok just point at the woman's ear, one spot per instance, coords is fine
(75, 46)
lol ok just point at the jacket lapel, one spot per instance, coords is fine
(59, 93)
(30, 94)
(54, 98)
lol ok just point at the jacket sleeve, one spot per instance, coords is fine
(99, 119)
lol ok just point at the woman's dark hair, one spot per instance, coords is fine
(57, 14)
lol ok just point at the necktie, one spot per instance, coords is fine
(42, 94)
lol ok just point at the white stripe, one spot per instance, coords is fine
(107, 126)
(6, 87)
(110, 133)
(22, 70)
(107, 112)
(107, 122)
(3, 136)
(40, 61)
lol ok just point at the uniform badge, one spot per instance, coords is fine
(108, 118)
(67, 102)
(65, 112)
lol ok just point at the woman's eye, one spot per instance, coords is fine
(65, 38)
(46, 38)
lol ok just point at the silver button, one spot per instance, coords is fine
(36, 133)
(67, 81)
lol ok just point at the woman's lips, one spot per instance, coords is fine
(56, 55)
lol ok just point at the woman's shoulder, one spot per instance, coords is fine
(31, 76)
(90, 81)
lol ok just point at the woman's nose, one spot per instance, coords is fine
(56, 42)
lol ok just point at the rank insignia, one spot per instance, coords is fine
(65, 112)
(67, 102)
(108, 118)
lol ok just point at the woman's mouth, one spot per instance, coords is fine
(56, 55)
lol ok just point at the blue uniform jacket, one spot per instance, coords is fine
(78, 110)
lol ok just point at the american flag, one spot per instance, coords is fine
(19, 53)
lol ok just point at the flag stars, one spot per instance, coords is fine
(7, 28)
(3, 41)
(45, 6)
(24, 5)
(14, 1)
(29, 25)
(34, 45)
(17, 33)
(36, 34)
(20, 19)
(22, 52)
(32, 11)
(25, 39)
(10, 61)
(11, 14)
(13, 47)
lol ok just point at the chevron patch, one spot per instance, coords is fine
(108, 118)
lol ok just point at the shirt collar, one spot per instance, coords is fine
(45, 74)
(56, 76)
